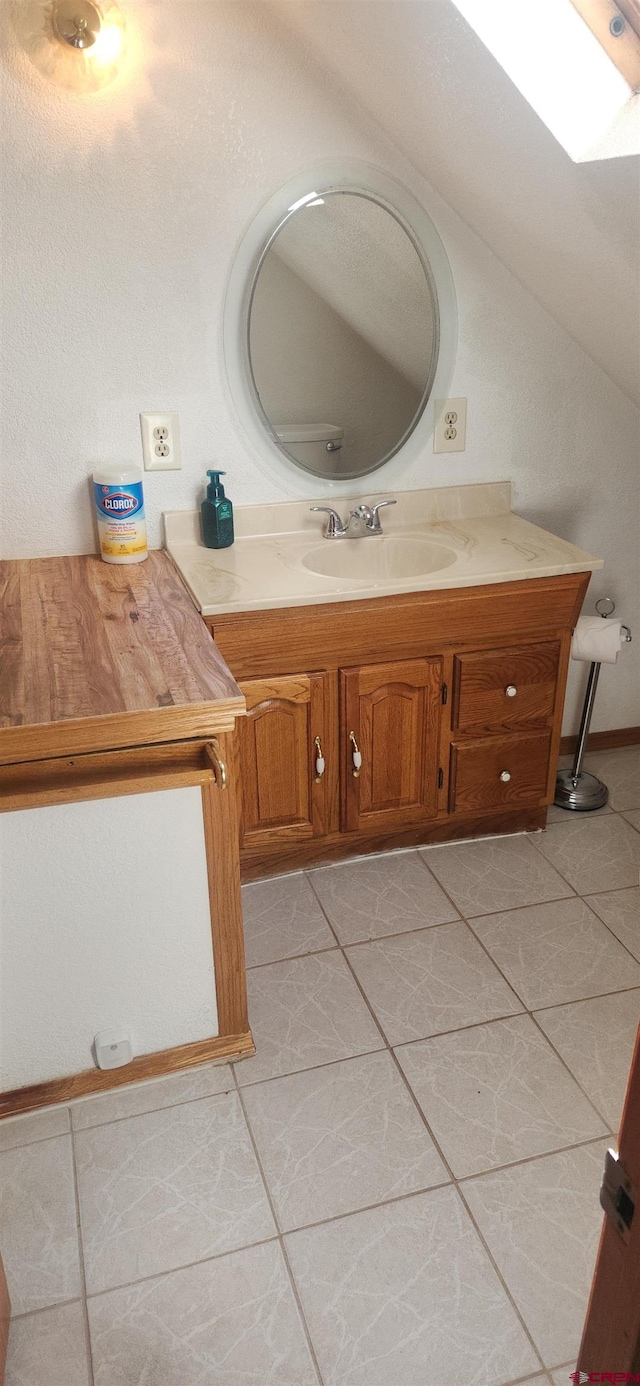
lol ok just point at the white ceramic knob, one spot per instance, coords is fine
(505, 776)
(320, 767)
(511, 690)
(357, 760)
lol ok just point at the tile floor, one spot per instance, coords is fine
(401, 1188)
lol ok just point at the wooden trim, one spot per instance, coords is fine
(222, 845)
(94, 1080)
(70, 779)
(631, 11)
(624, 49)
(117, 732)
(603, 740)
(321, 852)
(5, 1316)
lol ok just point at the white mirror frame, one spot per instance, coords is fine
(346, 173)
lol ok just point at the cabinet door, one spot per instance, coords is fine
(390, 718)
(288, 723)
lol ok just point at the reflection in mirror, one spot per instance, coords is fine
(343, 334)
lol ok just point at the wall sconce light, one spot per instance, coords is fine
(77, 44)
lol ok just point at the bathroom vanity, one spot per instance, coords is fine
(384, 707)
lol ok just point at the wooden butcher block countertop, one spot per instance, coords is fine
(95, 656)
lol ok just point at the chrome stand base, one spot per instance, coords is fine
(580, 792)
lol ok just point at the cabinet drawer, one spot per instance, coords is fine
(495, 690)
(499, 772)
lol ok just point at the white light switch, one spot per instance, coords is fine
(160, 442)
(450, 430)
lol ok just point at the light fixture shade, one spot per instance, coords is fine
(78, 46)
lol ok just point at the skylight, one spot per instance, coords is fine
(551, 54)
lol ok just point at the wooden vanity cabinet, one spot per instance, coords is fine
(389, 742)
(438, 715)
(289, 729)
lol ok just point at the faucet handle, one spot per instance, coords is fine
(374, 524)
(335, 527)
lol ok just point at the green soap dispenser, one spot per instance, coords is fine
(217, 515)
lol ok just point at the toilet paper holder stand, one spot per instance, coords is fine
(576, 788)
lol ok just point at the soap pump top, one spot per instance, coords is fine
(215, 489)
(217, 515)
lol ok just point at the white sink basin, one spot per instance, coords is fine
(377, 559)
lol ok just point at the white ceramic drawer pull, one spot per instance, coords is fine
(355, 756)
(511, 690)
(319, 759)
(505, 776)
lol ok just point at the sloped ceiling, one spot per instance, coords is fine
(569, 232)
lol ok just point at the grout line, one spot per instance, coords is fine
(35, 1140)
(540, 1155)
(312, 1068)
(294, 957)
(442, 1156)
(149, 1111)
(283, 1250)
(176, 1270)
(83, 1277)
(529, 1011)
(44, 1308)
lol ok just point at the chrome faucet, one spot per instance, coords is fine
(364, 520)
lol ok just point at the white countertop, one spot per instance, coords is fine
(264, 567)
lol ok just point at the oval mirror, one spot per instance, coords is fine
(342, 333)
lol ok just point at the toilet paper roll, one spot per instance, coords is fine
(595, 639)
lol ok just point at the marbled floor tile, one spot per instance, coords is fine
(305, 1013)
(156, 1093)
(49, 1348)
(593, 855)
(595, 1039)
(33, 1126)
(633, 817)
(620, 771)
(497, 1093)
(542, 1221)
(562, 1377)
(405, 1294)
(437, 979)
(340, 1138)
(164, 1189)
(282, 918)
(557, 952)
(620, 910)
(232, 1322)
(381, 895)
(39, 1241)
(495, 874)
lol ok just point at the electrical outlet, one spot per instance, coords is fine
(449, 434)
(160, 442)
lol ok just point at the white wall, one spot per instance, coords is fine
(124, 211)
(105, 922)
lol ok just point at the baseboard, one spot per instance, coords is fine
(603, 740)
(96, 1080)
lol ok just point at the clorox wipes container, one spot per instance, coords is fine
(120, 514)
